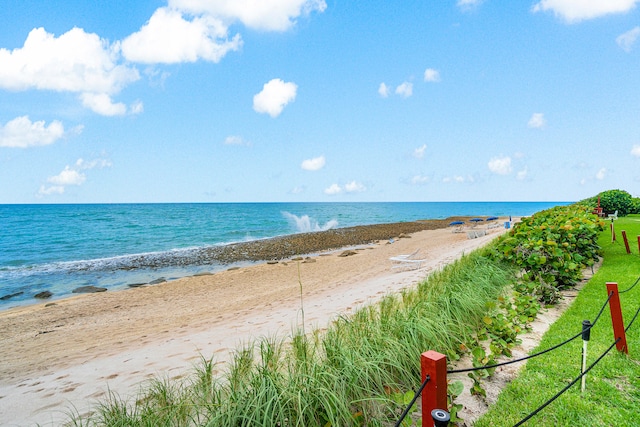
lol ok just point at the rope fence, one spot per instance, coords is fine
(433, 365)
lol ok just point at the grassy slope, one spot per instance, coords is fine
(612, 396)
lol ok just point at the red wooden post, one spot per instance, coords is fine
(616, 317)
(626, 242)
(638, 244)
(434, 395)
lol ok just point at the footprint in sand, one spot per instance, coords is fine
(71, 388)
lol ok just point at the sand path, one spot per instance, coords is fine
(71, 353)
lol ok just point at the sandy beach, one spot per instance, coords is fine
(70, 353)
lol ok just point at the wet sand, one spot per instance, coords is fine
(72, 352)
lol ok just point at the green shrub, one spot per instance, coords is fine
(552, 247)
(617, 200)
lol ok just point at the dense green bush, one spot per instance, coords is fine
(552, 247)
(614, 200)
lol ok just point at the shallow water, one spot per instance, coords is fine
(58, 248)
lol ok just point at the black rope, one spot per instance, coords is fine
(531, 356)
(544, 405)
(632, 320)
(415, 397)
(631, 287)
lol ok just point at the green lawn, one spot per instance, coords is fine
(612, 395)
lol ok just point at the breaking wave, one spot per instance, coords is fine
(306, 224)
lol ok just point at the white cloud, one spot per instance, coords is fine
(74, 62)
(354, 187)
(71, 176)
(537, 121)
(468, 4)
(419, 152)
(431, 75)
(405, 89)
(601, 174)
(235, 140)
(270, 15)
(169, 38)
(314, 164)
(297, 190)
(522, 175)
(22, 133)
(635, 150)
(628, 39)
(137, 107)
(275, 95)
(333, 189)
(420, 179)
(53, 189)
(577, 10)
(82, 164)
(456, 178)
(500, 165)
(383, 90)
(101, 103)
(67, 177)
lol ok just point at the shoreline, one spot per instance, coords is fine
(75, 351)
(213, 259)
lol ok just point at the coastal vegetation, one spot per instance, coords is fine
(612, 393)
(363, 369)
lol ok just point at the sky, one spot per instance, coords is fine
(318, 100)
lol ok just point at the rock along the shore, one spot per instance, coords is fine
(88, 290)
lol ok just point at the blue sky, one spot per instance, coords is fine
(318, 100)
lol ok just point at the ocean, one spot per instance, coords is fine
(58, 248)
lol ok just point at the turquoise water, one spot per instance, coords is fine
(58, 248)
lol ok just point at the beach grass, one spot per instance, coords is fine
(612, 393)
(349, 374)
(361, 368)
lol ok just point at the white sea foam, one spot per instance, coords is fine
(305, 224)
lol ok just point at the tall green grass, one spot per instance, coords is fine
(346, 375)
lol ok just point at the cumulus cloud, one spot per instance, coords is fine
(351, 187)
(333, 189)
(431, 75)
(71, 175)
(628, 39)
(635, 150)
(102, 104)
(67, 177)
(275, 95)
(466, 5)
(405, 89)
(420, 179)
(235, 140)
(456, 179)
(354, 187)
(76, 62)
(522, 175)
(169, 38)
(578, 10)
(418, 153)
(314, 164)
(383, 90)
(269, 15)
(537, 121)
(500, 165)
(601, 174)
(21, 132)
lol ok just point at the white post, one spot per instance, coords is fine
(586, 334)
